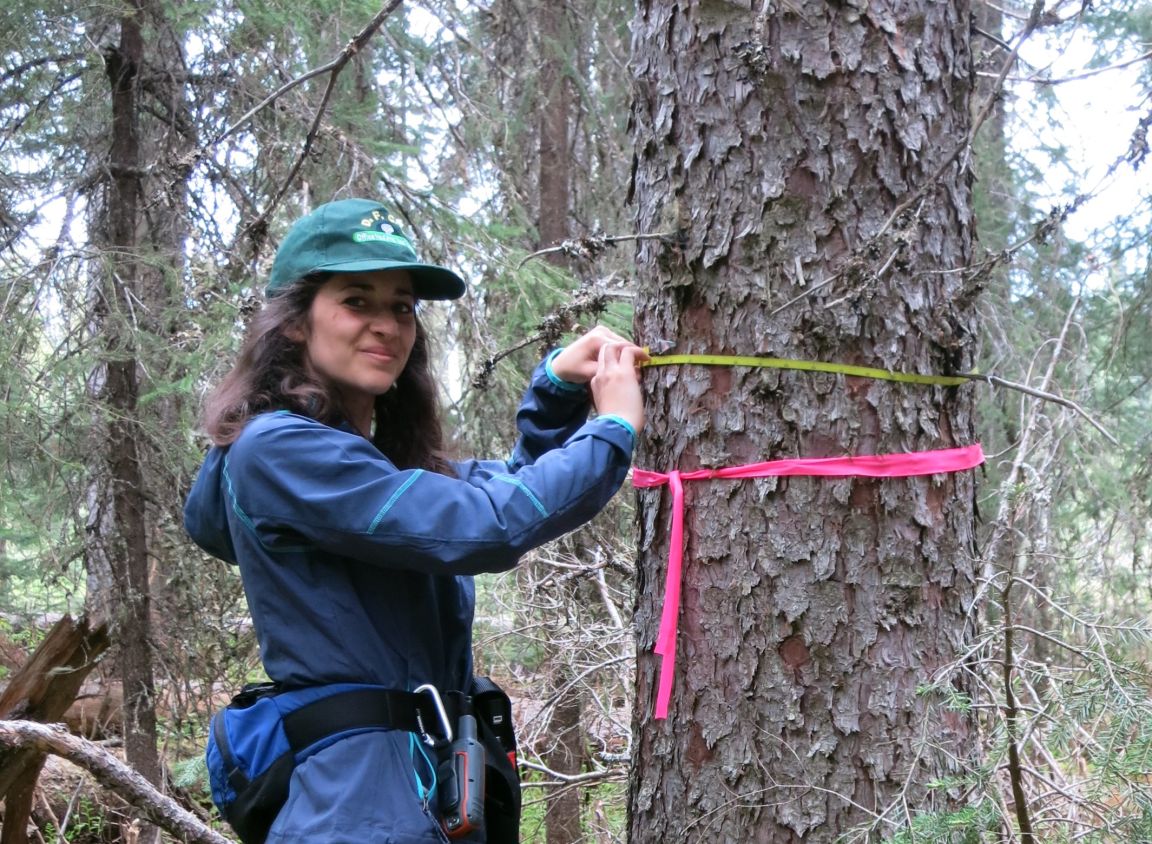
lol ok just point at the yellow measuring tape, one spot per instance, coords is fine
(808, 366)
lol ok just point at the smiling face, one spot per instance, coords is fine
(360, 332)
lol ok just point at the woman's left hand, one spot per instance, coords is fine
(578, 361)
(616, 385)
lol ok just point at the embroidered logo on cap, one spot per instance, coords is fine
(381, 227)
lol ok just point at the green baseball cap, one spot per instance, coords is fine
(356, 235)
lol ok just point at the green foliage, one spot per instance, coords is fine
(949, 697)
(1119, 23)
(191, 774)
(25, 637)
(532, 816)
(968, 825)
(86, 823)
(604, 817)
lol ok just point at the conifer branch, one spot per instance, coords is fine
(333, 68)
(549, 329)
(255, 230)
(559, 780)
(997, 381)
(590, 246)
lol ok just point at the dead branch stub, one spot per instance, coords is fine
(42, 690)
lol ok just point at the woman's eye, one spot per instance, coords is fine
(354, 302)
(404, 308)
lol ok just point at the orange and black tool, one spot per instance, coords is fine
(460, 781)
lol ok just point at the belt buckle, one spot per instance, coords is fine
(441, 713)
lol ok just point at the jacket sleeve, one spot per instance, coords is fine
(551, 412)
(297, 484)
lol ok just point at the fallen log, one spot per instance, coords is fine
(111, 773)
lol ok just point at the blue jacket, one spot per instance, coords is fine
(356, 571)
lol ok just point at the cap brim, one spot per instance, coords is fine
(428, 280)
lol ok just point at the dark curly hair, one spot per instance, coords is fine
(272, 373)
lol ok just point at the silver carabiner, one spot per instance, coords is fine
(440, 712)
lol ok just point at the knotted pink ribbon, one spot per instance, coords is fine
(865, 466)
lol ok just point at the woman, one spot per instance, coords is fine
(355, 537)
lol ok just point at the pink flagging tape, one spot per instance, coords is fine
(864, 466)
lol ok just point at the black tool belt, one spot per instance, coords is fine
(373, 709)
(428, 713)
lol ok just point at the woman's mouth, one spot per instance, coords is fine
(379, 354)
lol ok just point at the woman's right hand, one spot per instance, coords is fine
(616, 384)
(577, 362)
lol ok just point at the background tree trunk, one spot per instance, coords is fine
(564, 751)
(555, 164)
(139, 223)
(125, 544)
(778, 143)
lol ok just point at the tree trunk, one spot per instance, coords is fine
(778, 142)
(117, 552)
(555, 153)
(565, 750)
(565, 754)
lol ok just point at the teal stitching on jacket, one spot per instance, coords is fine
(516, 482)
(236, 508)
(569, 386)
(239, 511)
(620, 420)
(388, 504)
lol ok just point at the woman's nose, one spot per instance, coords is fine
(383, 322)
